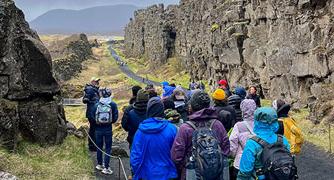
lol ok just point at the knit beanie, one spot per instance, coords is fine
(199, 100)
(155, 108)
(219, 95)
(240, 91)
(142, 96)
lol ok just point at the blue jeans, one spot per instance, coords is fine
(103, 138)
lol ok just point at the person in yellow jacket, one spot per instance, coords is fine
(288, 126)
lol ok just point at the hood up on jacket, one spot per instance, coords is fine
(153, 125)
(248, 107)
(105, 100)
(168, 91)
(265, 122)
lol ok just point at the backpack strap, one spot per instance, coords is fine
(191, 124)
(279, 139)
(260, 141)
(249, 128)
(212, 122)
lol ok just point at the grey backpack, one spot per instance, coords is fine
(103, 114)
(207, 157)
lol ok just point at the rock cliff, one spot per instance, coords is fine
(68, 54)
(28, 91)
(283, 47)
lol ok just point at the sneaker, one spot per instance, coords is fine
(99, 167)
(107, 171)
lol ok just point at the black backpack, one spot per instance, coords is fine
(206, 152)
(277, 161)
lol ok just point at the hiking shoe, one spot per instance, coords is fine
(107, 171)
(99, 167)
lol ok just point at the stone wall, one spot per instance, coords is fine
(28, 89)
(283, 47)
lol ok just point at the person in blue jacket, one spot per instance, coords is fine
(265, 127)
(150, 157)
(91, 97)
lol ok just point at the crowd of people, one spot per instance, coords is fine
(188, 134)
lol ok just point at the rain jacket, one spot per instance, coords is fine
(182, 146)
(90, 98)
(241, 132)
(250, 158)
(150, 154)
(167, 91)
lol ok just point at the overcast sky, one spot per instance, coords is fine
(35, 8)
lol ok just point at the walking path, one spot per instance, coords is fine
(126, 70)
(313, 162)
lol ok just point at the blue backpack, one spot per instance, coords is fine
(103, 114)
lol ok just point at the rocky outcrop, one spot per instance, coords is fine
(68, 54)
(27, 95)
(284, 47)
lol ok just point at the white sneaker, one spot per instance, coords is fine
(107, 171)
(99, 167)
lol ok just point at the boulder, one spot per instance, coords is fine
(28, 89)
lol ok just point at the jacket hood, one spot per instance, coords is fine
(265, 129)
(153, 125)
(168, 91)
(105, 100)
(248, 107)
(265, 124)
(283, 111)
(204, 115)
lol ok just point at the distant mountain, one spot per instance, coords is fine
(102, 19)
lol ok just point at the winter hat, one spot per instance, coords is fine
(223, 82)
(219, 95)
(142, 96)
(240, 91)
(277, 104)
(178, 94)
(248, 107)
(170, 114)
(199, 101)
(155, 108)
(266, 115)
(168, 103)
(135, 90)
(106, 92)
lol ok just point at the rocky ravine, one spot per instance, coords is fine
(28, 103)
(284, 47)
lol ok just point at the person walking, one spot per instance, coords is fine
(150, 157)
(91, 97)
(202, 117)
(241, 132)
(106, 115)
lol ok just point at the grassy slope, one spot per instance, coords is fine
(70, 160)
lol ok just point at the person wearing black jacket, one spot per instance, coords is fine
(226, 113)
(235, 101)
(252, 94)
(131, 121)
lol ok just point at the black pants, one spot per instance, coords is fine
(233, 173)
(91, 133)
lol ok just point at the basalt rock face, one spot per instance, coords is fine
(28, 89)
(68, 54)
(284, 47)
